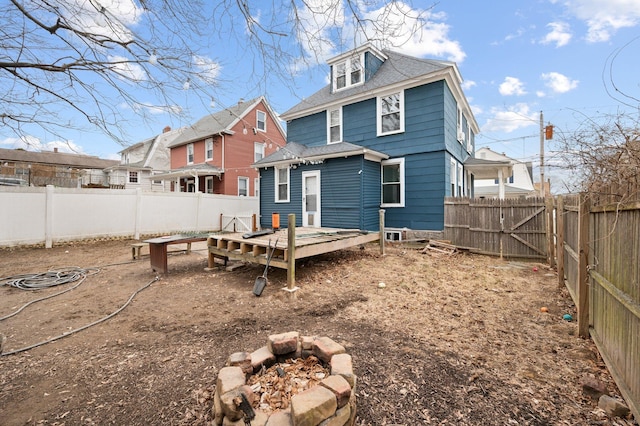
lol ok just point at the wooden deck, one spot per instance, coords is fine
(290, 245)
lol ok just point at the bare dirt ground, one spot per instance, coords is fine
(454, 339)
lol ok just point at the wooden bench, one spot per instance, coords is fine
(158, 248)
(136, 248)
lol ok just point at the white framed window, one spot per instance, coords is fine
(460, 136)
(133, 177)
(190, 153)
(261, 121)
(156, 181)
(390, 113)
(456, 174)
(256, 187)
(243, 186)
(334, 125)
(208, 185)
(348, 73)
(453, 176)
(469, 143)
(208, 149)
(393, 183)
(282, 185)
(258, 151)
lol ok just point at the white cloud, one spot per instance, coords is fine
(127, 70)
(109, 18)
(209, 70)
(325, 23)
(558, 83)
(468, 84)
(31, 143)
(511, 119)
(418, 32)
(605, 17)
(512, 86)
(559, 34)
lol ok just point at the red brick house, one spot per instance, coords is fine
(215, 154)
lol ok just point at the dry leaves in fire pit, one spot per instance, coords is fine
(274, 386)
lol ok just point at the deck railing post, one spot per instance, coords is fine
(291, 250)
(382, 232)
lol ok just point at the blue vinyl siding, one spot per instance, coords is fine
(310, 130)
(371, 65)
(345, 203)
(424, 193)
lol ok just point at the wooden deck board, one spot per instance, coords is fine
(308, 242)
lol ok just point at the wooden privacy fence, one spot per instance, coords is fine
(510, 228)
(599, 262)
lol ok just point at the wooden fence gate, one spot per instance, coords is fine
(509, 228)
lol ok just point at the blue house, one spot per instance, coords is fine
(390, 131)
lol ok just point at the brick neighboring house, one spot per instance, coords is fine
(215, 154)
(28, 168)
(140, 162)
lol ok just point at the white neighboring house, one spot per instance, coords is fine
(519, 184)
(141, 161)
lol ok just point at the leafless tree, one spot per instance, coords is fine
(87, 56)
(604, 157)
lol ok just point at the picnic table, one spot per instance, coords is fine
(158, 248)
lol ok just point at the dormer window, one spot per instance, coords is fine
(347, 73)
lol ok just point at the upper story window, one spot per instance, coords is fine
(261, 121)
(334, 125)
(208, 149)
(190, 153)
(391, 114)
(282, 185)
(258, 151)
(348, 73)
(125, 158)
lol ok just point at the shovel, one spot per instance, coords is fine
(261, 282)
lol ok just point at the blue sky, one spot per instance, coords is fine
(517, 58)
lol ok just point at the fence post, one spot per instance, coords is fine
(583, 263)
(48, 217)
(551, 258)
(138, 219)
(560, 240)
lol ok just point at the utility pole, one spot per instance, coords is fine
(542, 191)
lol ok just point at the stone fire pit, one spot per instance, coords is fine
(292, 381)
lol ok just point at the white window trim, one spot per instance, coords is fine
(399, 161)
(379, 114)
(190, 152)
(208, 184)
(256, 187)
(348, 70)
(258, 112)
(208, 142)
(329, 141)
(453, 173)
(243, 179)
(133, 173)
(258, 146)
(277, 184)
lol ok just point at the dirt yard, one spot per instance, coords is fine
(449, 339)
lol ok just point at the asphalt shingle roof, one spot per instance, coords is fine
(56, 158)
(397, 68)
(295, 151)
(213, 124)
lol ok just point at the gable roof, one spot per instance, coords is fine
(295, 153)
(56, 158)
(149, 147)
(398, 71)
(221, 122)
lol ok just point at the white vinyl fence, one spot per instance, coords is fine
(36, 215)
